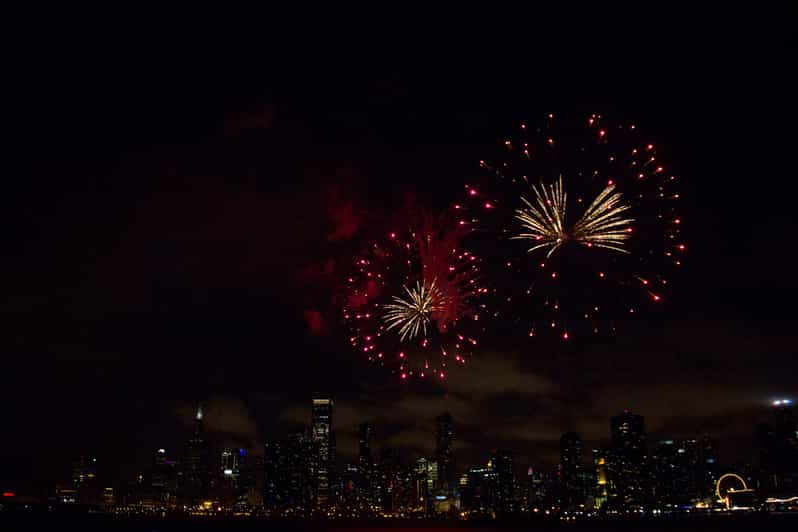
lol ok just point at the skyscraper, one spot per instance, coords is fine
(571, 469)
(164, 479)
(290, 475)
(628, 435)
(426, 480)
(196, 474)
(604, 488)
(84, 480)
(365, 464)
(230, 461)
(478, 491)
(665, 473)
(784, 469)
(502, 464)
(274, 475)
(444, 454)
(324, 439)
(708, 472)
(534, 489)
(785, 419)
(301, 471)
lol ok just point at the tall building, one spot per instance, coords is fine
(85, 481)
(302, 471)
(231, 487)
(708, 468)
(231, 460)
(389, 471)
(571, 469)
(478, 491)
(665, 473)
(197, 469)
(324, 440)
(164, 479)
(784, 415)
(349, 492)
(365, 464)
(779, 449)
(291, 475)
(502, 463)
(604, 487)
(84, 471)
(444, 452)
(534, 490)
(274, 460)
(628, 436)
(426, 481)
(252, 479)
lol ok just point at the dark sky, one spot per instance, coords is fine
(176, 213)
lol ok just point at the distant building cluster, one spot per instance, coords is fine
(297, 477)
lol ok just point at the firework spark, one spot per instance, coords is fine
(601, 224)
(413, 312)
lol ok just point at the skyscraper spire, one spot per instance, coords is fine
(198, 420)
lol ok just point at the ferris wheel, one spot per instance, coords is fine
(727, 485)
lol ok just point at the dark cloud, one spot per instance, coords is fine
(227, 419)
(345, 217)
(253, 120)
(316, 323)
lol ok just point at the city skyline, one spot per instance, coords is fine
(298, 475)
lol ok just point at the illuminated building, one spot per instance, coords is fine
(290, 475)
(366, 474)
(708, 467)
(444, 452)
(571, 469)
(231, 487)
(388, 472)
(251, 480)
(534, 489)
(164, 479)
(324, 439)
(230, 462)
(778, 450)
(196, 466)
(426, 480)
(628, 435)
(478, 491)
(302, 471)
(785, 419)
(84, 471)
(349, 490)
(85, 481)
(274, 473)
(502, 463)
(604, 488)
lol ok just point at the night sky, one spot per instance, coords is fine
(177, 216)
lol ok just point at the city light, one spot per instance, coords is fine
(300, 478)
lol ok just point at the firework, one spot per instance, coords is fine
(581, 216)
(601, 224)
(414, 300)
(415, 310)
